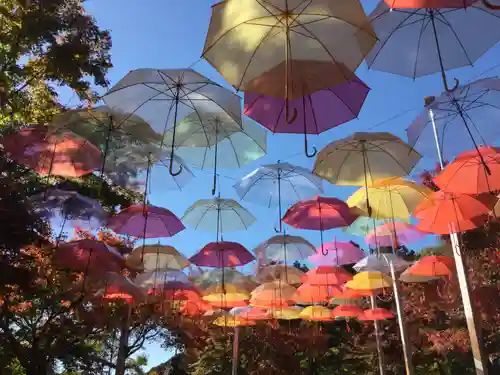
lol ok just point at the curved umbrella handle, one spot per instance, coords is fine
(491, 6)
(287, 112)
(306, 148)
(447, 88)
(171, 168)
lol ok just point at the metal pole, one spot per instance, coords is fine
(402, 328)
(236, 342)
(480, 362)
(377, 336)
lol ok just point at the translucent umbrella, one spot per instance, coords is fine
(381, 263)
(337, 254)
(364, 225)
(284, 247)
(215, 276)
(283, 272)
(213, 140)
(164, 97)
(394, 234)
(275, 184)
(157, 257)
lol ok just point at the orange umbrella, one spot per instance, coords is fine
(309, 294)
(228, 304)
(267, 303)
(347, 311)
(472, 172)
(433, 266)
(194, 308)
(348, 293)
(449, 213)
(376, 314)
(326, 275)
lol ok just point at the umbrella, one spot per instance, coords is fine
(157, 257)
(145, 221)
(243, 36)
(159, 278)
(418, 42)
(283, 272)
(194, 308)
(225, 294)
(164, 97)
(286, 313)
(218, 215)
(275, 184)
(284, 247)
(317, 313)
(308, 294)
(458, 121)
(317, 112)
(409, 278)
(222, 254)
(467, 174)
(369, 280)
(449, 213)
(337, 254)
(275, 293)
(215, 276)
(440, 4)
(381, 263)
(433, 266)
(394, 234)
(119, 287)
(63, 154)
(250, 313)
(233, 321)
(376, 314)
(320, 213)
(347, 311)
(213, 140)
(326, 275)
(364, 225)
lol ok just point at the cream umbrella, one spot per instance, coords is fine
(157, 258)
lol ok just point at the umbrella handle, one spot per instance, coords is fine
(489, 5)
(287, 112)
(306, 148)
(446, 87)
(171, 168)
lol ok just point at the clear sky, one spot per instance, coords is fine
(170, 34)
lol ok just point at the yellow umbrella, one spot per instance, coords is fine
(286, 313)
(275, 289)
(369, 281)
(346, 301)
(232, 321)
(316, 313)
(392, 198)
(229, 293)
(157, 258)
(287, 274)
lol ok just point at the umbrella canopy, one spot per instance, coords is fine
(276, 292)
(433, 266)
(337, 254)
(376, 314)
(157, 279)
(286, 313)
(218, 215)
(419, 42)
(317, 313)
(145, 221)
(157, 257)
(243, 36)
(462, 119)
(409, 278)
(394, 234)
(283, 272)
(326, 275)
(222, 254)
(226, 292)
(119, 287)
(440, 4)
(389, 198)
(62, 154)
(382, 263)
(347, 311)
(250, 313)
(369, 280)
(284, 247)
(364, 225)
(226, 275)
(467, 174)
(232, 321)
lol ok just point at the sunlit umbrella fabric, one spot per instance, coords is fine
(145, 221)
(250, 313)
(463, 118)
(337, 254)
(326, 275)
(364, 225)
(283, 272)
(308, 294)
(433, 266)
(286, 313)
(284, 247)
(317, 313)
(119, 287)
(157, 257)
(441, 4)
(362, 158)
(243, 36)
(222, 254)
(409, 278)
(158, 278)
(347, 311)
(390, 234)
(382, 263)
(369, 280)
(376, 314)
(230, 276)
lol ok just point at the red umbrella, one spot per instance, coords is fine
(222, 254)
(122, 288)
(433, 266)
(347, 311)
(320, 213)
(194, 308)
(309, 294)
(440, 4)
(326, 275)
(447, 213)
(145, 221)
(376, 314)
(60, 155)
(472, 172)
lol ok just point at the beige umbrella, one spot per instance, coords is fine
(245, 37)
(288, 274)
(157, 258)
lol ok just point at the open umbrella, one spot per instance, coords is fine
(157, 257)
(284, 248)
(440, 4)
(222, 254)
(394, 234)
(337, 254)
(317, 313)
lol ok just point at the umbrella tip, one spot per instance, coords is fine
(428, 100)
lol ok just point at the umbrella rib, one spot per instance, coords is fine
(422, 30)
(270, 173)
(446, 22)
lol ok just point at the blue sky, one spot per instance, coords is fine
(171, 34)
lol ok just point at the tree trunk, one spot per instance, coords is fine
(123, 345)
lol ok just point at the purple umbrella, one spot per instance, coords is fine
(338, 254)
(222, 254)
(316, 113)
(389, 233)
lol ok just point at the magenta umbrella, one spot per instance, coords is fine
(389, 234)
(145, 221)
(222, 254)
(320, 213)
(337, 254)
(316, 113)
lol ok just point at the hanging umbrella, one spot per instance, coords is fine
(337, 254)
(286, 313)
(317, 112)
(433, 266)
(381, 263)
(157, 258)
(390, 234)
(317, 313)
(222, 254)
(409, 278)
(467, 175)
(273, 294)
(320, 213)
(225, 295)
(215, 276)
(369, 280)
(347, 311)
(439, 4)
(250, 313)
(457, 121)
(277, 184)
(217, 140)
(164, 97)
(243, 36)
(431, 40)
(158, 278)
(364, 225)
(376, 314)
(145, 221)
(284, 247)
(326, 275)
(194, 308)
(389, 198)
(308, 294)
(63, 154)
(452, 213)
(232, 321)
(121, 288)
(218, 215)
(283, 272)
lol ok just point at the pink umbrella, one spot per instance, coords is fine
(316, 113)
(145, 221)
(222, 254)
(320, 213)
(398, 233)
(337, 254)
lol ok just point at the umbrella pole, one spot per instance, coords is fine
(279, 200)
(214, 189)
(402, 327)
(377, 336)
(236, 342)
(470, 315)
